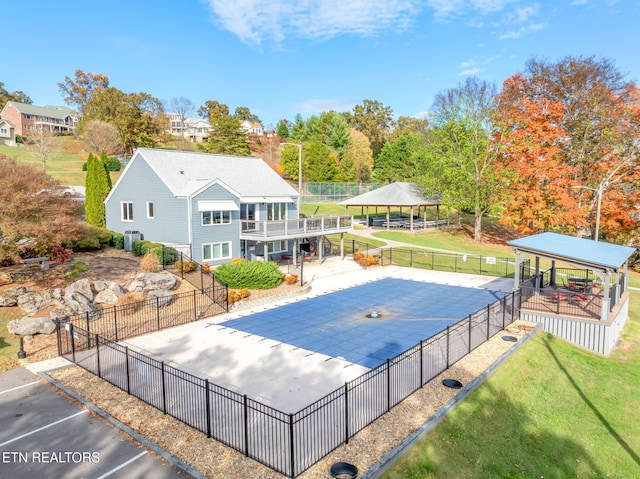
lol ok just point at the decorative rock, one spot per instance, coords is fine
(117, 288)
(79, 302)
(34, 301)
(100, 286)
(106, 296)
(161, 297)
(17, 291)
(8, 300)
(58, 294)
(82, 286)
(28, 325)
(61, 311)
(153, 281)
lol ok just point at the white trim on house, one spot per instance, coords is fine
(227, 205)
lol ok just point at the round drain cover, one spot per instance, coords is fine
(452, 383)
(344, 470)
(512, 339)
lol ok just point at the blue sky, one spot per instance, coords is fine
(282, 57)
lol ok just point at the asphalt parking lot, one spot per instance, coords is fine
(44, 434)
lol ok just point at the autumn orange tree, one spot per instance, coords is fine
(36, 213)
(599, 150)
(538, 194)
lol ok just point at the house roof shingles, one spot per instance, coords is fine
(58, 112)
(185, 173)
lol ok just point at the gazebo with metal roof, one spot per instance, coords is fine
(586, 302)
(399, 194)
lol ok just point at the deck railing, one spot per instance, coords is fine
(270, 230)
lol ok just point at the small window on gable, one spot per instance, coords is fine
(150, 213)
(127, 211)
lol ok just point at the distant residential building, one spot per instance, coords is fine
(195, 130)
(7, 133)
(28, 118)
(251, 128)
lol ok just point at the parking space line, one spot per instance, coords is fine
(84, 411)
(108, 473)
(19, 387)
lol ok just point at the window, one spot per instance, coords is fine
(277, 246)
(248, 212)
(3, 131)
(276, 211)
(127, 211)
(150, 210)
(27, 117)
(216, 217)
(213, 251)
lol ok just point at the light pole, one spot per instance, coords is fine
(299, 172)
(599, 191)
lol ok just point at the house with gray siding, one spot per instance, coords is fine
(214, 207)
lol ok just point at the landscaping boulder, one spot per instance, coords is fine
(34, 301)
(61, 311)
(161, 297)
(106, 296)
(153, 281)
(17, 291)
(116, 288)
(28, 325)
(100, 286)
(78, 302)
(82, 286)
(9, 301)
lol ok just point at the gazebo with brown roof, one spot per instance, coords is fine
(399, 194)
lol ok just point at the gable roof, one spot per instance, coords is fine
(187, 173)
(3, 120)
(395, 194)
(59, 112)
(582, 251)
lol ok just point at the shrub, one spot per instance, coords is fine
(233, 296)
(59, 254)
(291, 278)
(148, 246)
(186, 266)
(117, 240)
(244, 292)
(136, 247)
(94, 239)
(238, 260)
(206, 267)
(150, 263)
(364, 260)
(249, 274)
(166, 255)
(113, 164)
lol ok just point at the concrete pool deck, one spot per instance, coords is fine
(276, 373)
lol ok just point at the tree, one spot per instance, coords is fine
(99, 135)
(333, 131)
(462, 163)
(538, 195)
(402, 160)
(97, 186)
(139, 117)
(212, 109)
(356, 163)
(34, 206)
(43, 145)
(299, 130)
(243, 113)
(183, 107)
(374, 120)
(226, 137)
(409, 124)
(602, 124)
(290, 161)
(17, 96)
(318, 163)
(80, 89)
(283, 129)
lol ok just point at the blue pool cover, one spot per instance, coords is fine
(336, 324)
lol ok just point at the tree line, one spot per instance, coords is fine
(554, 149)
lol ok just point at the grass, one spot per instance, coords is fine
(67, 165)
(9, 344)
(552, 410)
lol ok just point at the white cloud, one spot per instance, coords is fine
(257, 21)
(512, 34)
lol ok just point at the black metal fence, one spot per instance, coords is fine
(439, 261)
(288, 443)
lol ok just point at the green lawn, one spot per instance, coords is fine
(551, 411)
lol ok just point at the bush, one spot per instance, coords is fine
(136, 247)
(250, 275)
(78, 267)
(291, 278)
(113, 164)
(94, 239)
(166, 255)
(364, 260)
(117, 240)
(148, 246)
(186, 266)
(150, 263)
